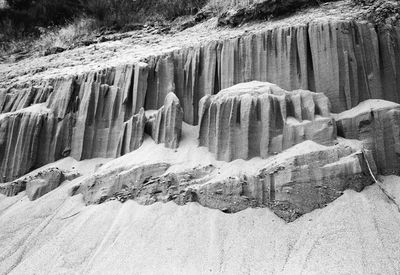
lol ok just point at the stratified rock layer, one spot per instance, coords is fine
(38, 184)
(165, 126)
(44, 183)
(306, 177)
(260, 119)
(87, 116)
(28, 139)
(133, 133)
(347, 61)
(103, 185)
(377, 124)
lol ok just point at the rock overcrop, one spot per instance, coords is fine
(165, 126)
(306, 177)
(261, 119)
(377, 124)
(38, 184)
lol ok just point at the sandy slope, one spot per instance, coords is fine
(58, 234)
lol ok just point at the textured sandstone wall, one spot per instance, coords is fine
(85, 116)
(378, 127)
(165, 126)
(261, 119)
(349, 62)
(291, 184)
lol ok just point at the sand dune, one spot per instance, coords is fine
(57, 234)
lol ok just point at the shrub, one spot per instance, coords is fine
(381, 12)
(121, 12)
(66, 36)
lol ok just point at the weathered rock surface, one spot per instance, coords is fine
(98, 115)
(260, 119)
(306, 177)
(38, 184)
(103, 185)
(133, 133)
(44, 183)
(377, 124)
(165, 126)
(30, 138)
(347, 61)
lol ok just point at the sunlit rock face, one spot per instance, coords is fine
(349, 62)
(306, 177)
(165, 126)
(261, 119)
(99, 114)
(377, 124)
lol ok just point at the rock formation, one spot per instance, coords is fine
(44, 183)
(100, 113)
(103, 185)
(87, 116)
(28, 139)
(37, 184)
(306, 177)
(133, 133)
(377, 124)
(260, 119)
(348, 61)
(165, 126)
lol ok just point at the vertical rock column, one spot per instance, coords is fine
(377, 124)
(260, 119)
(165, 126)
(19, 143)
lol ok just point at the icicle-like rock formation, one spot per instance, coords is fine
(165, 126)
(86, 116)
(260, 119)
(347, 61)
(133, 133)
(377, 124)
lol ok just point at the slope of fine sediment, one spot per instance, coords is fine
(139, 45)
(57, 234)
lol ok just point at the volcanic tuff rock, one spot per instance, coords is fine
(308, 176)
(377, 124)
(95, 115)
(30, 138)
(133, 133)
(260, 119)
(304, 178)
(165, 126)
(103, 185)
(347, 61)
(38, 184)
(45, 183)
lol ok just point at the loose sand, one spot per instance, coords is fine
(58, 234)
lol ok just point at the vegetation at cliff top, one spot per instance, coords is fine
(43, 24)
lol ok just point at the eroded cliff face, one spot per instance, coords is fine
(260, 119)
(377, 124)
(347, 61)
(86, 116)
